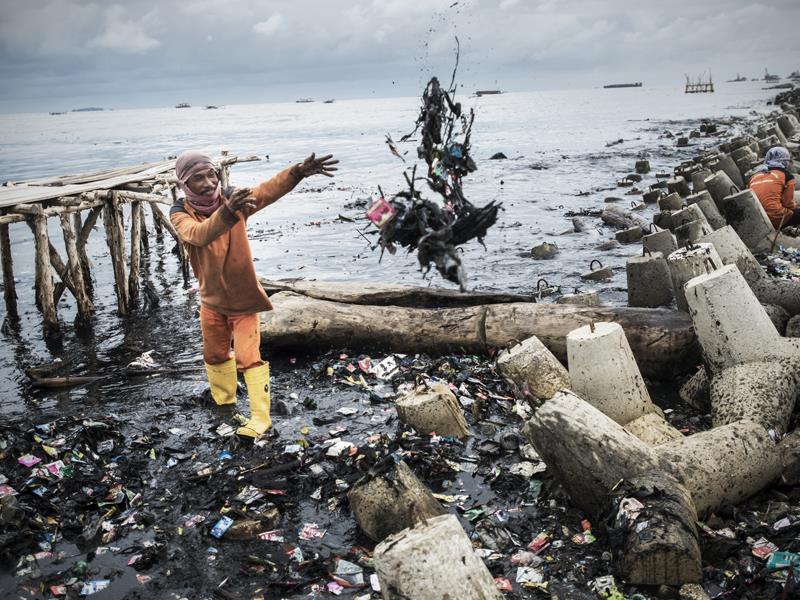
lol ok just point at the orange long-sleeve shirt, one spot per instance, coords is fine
(219, 251)
(776, 195)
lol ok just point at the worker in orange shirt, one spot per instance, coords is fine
(212, 223)
(774, 187)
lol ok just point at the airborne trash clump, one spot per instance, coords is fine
(435, 228)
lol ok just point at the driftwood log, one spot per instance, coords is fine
(661, 340)
(387, 294)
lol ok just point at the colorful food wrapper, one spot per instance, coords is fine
(763, 548)
(29, 460)
(381, 212)
(7, 490)
(539, 543)
(312, 531)
(221, 526)
(272, 536)
(92, 587)
(503, 584)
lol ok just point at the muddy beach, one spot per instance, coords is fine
(149, 468)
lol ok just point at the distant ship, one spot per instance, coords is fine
(183, 105)
(88, 109)
(795, 76)
(304, 100)
(211, 107)
(768, 77)
(623, 85)
(331, 101)
(480, 93)
(738, 79)
(57, 113)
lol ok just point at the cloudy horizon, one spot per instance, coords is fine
(65, 54)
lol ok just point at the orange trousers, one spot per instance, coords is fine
(219, 329)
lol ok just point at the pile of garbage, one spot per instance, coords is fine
(167, 504)
(784, 263)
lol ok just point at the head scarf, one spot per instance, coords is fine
(777, 157)
(189, 163)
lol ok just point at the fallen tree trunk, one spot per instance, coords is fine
(388, 294)
(662, 340)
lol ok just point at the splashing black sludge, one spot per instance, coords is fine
(435, 228)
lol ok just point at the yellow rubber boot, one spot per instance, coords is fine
(257, 380)
(222, 378)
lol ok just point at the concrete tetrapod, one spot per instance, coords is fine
(649, 281)
(433, 408)
(531, 368)
(652, 429)
(763, 392)
(754, 370)
(705, 203)
(433, 561)
(731, 325)
(392, 501)
(691, 232)
(698, 180)
(770, 290)
(589, 454)
(720, 186)
(724, 465)
(746, 215)
(727, 164)
(660, 241)
(686, 263)
(603, 371)
(686, 215)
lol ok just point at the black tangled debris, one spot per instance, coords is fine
(436, 228)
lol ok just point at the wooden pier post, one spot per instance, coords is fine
(9, 288)
(184, 259)
(85, 306)
(44, 278)
(115, 238)
(136, 251)
(156, 223)
(83, 236)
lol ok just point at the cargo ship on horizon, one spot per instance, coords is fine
(623, 85)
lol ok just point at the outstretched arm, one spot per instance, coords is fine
(284, 182)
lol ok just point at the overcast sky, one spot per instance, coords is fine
(62, 54)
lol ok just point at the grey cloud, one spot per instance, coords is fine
(257, 50)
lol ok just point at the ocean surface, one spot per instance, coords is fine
(558, 161)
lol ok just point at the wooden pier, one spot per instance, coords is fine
(77, 201)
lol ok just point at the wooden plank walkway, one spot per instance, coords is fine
(26, 193)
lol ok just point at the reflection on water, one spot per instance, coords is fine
(555, 142)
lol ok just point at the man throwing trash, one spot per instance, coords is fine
(212, 223)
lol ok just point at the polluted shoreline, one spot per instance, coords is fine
(158, 499)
